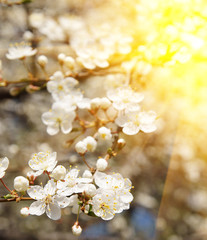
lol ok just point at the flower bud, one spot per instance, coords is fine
(69, 62)
(80, 147)
(76, 229)
(21, 184)
(42, 60)
(90, 143)
(24, 211)
(59, 172)
(105, 103)
(101, 164)
(61, 58)
(87, 174)
(95, 103)
(121, 143)
(90, 190)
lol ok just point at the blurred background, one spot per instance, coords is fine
(162, 44)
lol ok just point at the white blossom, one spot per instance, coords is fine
(47, 200)
(105, 204)
(60, 86)
(133, 122)
(4, 163)
(59, 118)
(104, 133)
(59, 172)
(41, 162)
(21, 184)
(121, 188)
(101, 164)
(125, 98)
(20, 51)
(90, 143)
(72, 183)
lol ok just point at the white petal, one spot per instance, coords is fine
(66, 127)
(121, 120)
(36, 192)
(130, 129)
(37, 208)
(50, 187)
(126, 197)
(62, 201)
(53, 211)
(47, 118)
(4, 163)
(148, 128)
(52, 130)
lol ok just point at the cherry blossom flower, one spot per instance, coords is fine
(105, 204)
(125, 98)
(20, 51)
(104, 133)
(133, 122)
(121, 188)
(41, 162)
(59, 118)
(72, 183)
(4, 163)
(47, 200)
(59, 86)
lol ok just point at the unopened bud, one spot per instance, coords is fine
(24, 212)
(42, 60)
(21, 184)
(121, 143)
(101, 164)
(61, 58)
(76, 229)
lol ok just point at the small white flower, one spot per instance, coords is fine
(59, 118)
(59, 172)
(81, 147)
(42, 60)
(21, 184)
(72, 183)
(104, 133)
(105, 204)
(4, 163)
(41, 162)
(133, 122)
(76, 229)
(59, 86)
(90, 143)
(24, 212)
(20, 51)
(116, 183)
(47, 200)
(125, 98)
(101, 164)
